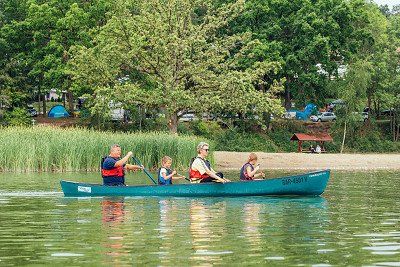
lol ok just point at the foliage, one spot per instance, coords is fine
(168, 54)
(17, 117)
(75, 149)
(311, 39)
(229, 58)
(232, 140)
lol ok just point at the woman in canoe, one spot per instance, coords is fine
(248, 171)
(113, 167)
(165, 174)
(200, 168)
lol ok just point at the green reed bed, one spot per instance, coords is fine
(77, 149)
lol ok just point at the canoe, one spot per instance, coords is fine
(313, 183)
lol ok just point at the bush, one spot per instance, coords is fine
(208, 129)
(281, 138)
(232, 140)
(17, 117)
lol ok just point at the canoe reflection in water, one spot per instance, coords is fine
(113, 216)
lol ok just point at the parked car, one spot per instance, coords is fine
(188, 117)
(32, 112)
(324, 116)
(387, 112)
(118, 113)
(364, 115)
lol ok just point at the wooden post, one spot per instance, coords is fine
(300, 149)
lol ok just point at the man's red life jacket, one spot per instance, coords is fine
(196, 174)
(114, 172)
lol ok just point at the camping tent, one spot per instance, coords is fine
(58, 111)
(305, 114)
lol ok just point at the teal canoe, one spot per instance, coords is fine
(313, 183)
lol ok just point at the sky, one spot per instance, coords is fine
(390, 3)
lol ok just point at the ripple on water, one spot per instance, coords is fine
(325, 250)
(385, 252)
(387, 263)
(390, 234)
(66, 254)
(209, 252)
(383, 248)
(275, 258)
(30, 194)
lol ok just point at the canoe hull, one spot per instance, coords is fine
(313, 183)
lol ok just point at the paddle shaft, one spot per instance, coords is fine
(144, 169)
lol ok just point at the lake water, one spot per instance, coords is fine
(355, 222)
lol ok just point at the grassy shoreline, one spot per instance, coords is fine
(76, 149)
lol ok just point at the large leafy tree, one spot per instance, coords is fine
(172, 54)
(14, 40)
(35, 37)
(311, 39)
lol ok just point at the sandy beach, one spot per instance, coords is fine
(300, 161)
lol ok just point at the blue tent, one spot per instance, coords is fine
(58, 112)
(305, 114)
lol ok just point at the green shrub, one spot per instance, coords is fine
(208, 129)
(17, 117)
(281, 138)
(232, 140)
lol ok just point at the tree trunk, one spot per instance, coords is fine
(344, 137)
(70, 102)
(288, 104)
(369, 101)
(369, 106)
(393, 124)
(172, 122)
(140, 117)
(39, 108)
(44, 105)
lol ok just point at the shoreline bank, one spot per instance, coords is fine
(303, 161)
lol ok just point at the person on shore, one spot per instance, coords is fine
(318, 149)
(113, 167)
(200, 168)
(165, 174)
(312, 149)
(248, 171)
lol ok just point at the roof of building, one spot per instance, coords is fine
(320, 137)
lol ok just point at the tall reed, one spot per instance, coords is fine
(77, 149)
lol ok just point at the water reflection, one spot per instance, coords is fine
(207, 228)
(113, 216)
(168, 228)
(113, 211)
(252, 223)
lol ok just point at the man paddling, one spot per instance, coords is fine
(200, 168)
(113, 167)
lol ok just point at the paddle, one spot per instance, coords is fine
(144, 169)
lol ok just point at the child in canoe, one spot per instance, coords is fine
(248, 171)
(165, 174)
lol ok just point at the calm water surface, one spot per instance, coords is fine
(355, 222)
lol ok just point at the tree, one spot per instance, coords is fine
(353, 90)
(311, 39)
(171, 54)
